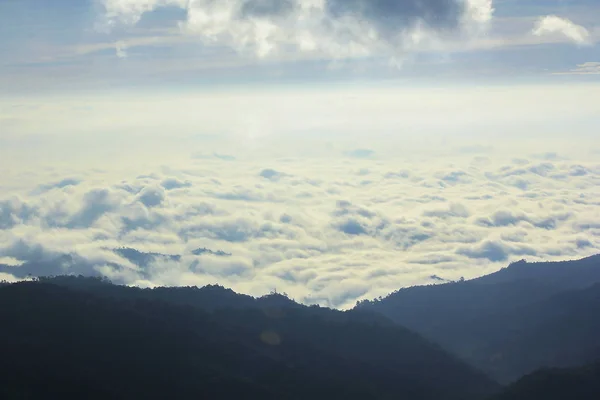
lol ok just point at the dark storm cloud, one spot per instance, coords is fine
(384, 14)
(390, 14)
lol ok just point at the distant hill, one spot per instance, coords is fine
(507, 324)
(582, 383)
(76, 337)
(208, 298)
(60, 264)
(573, 274)
(512, 322)
(143, 259)
(204, 250)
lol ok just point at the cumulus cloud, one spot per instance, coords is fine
(335, 28)
(552, 24)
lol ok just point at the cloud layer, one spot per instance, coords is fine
(332, 28)
(587, 68)
(327, 231)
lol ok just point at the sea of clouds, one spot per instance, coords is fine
(350, 210)
(328, 230)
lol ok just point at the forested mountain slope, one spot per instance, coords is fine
(59, 342)
(582, 383)
(510, 323)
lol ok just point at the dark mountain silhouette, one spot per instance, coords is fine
(76, 337)
(573, 274)
(560, 331)
(209, 298)
(510, 323)
(582, 383)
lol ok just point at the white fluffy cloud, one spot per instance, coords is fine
(331, 28)
(329, 231)
(552, 24)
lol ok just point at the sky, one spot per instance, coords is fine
(336, 150)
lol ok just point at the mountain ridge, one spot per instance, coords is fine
(494, 322)
(183, 350)
(508, 324)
